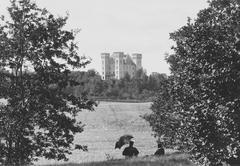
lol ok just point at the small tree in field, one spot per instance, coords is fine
(39, 119)
(205, 89)
(166, 120)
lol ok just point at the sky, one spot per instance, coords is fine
(131, 26)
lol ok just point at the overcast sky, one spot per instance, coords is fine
(131, 26)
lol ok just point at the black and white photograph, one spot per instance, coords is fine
(119, 82)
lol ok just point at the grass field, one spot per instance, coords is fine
(167, 160)
(104, 126)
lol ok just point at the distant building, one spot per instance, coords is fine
(115, 66)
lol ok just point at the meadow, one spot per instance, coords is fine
(102, 129)
(166, 160)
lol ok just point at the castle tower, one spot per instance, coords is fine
(118, 56)
(105, 65)
(137, 59)
(118, 64)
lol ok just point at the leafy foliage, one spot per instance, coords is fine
(36, 55)
(204, 89)
(140, 87)
(165, 120)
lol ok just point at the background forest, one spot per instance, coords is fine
(140, 87)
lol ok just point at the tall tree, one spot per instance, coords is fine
(39, 119)
(165, 120)
(205, 69)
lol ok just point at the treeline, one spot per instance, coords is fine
(197, 110)
(140, 87)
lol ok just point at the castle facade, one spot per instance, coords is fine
(115, 66)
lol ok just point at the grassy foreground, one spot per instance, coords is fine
(104, 126)
(167, 160)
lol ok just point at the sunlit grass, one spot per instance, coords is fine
(167, 160)
(103, 128)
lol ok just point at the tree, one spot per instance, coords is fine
(39, 119)
(205, 87)
(161, 112)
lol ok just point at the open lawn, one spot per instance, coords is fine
(167, 160)
(105, 125)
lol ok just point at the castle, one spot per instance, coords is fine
(118, 64)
